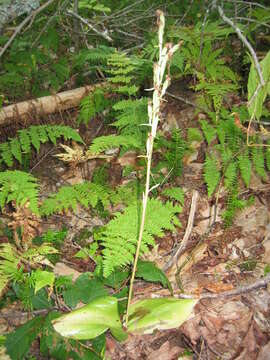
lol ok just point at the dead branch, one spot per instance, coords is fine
(261, 283)
(45, 105)
(103, 34)
(183, 245)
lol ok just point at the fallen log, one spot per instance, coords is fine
(27, 110)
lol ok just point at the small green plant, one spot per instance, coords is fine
(34, 136)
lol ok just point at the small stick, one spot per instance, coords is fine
(103, 34)
(184, 242)
(261, 283)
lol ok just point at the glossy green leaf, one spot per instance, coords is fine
(256, 105)
(164, 313)
(148, 271)
(91, 320)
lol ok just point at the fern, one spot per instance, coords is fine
(10, 260)
(92, 105)
(19, 187)
(104, 143)
(96, 57)
(122, 71)
(258, 161)
(127, 194)
(211, 174)
(130, 114)
(87, 194)
(172, 151)
(233, 205)
(9, 265)
(120, 235)
(34, 135)
(230, 175)
(175, 193)
(208, 130)
(245, 167)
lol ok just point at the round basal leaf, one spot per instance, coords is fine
(91, 320)
(165, 313)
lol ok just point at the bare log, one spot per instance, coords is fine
(27, 110)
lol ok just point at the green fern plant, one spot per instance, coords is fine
(119, 237)
(68, 197)
(104, 143)
(34, 136)
(172, 152)
(93, 104)
(20, 188)
(11, 261)
(121, 71)
(234, 156)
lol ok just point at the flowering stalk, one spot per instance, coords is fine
(160, 87)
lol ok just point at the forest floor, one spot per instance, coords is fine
(215, 260)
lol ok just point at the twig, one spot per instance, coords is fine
(184, 242)
(238, 291)
(245, 42)
(180, 98)
(23, 23)
(103, 34)
(247, 3)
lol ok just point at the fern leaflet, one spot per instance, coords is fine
(244, 164)
(258, 161)
(175, 193)
(34, 135)
(120, 235)
(211, 174)
(87, 194)
(19, 187)
(104, 143)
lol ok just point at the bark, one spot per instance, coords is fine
(26, 110)
(11, 9)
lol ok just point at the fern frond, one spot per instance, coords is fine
(131, 114)
(230, 175)
(211, 174)
(104, 143)
(123, 71)
(173, 151)
(244, 164)
(15, 148)
(258, 161)
(175, 193)
(20, 187)
(9, 265)
(96, 56)
(34, 135)
(233, 205)
(92, 105)
(208, 131)
(68, 197)
(6, 154)
(120, 235)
